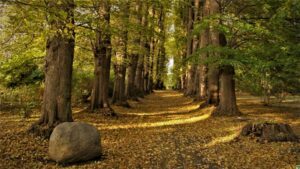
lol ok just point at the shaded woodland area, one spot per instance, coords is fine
(150, 83)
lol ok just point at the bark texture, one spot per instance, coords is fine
(56, 106)
(119, 95)
(140, 74)
(102, 61)
(189, 51)
(134, 57)
(227, 105)
(211, 8)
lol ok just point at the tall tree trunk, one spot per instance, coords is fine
(151, 51)
(119, 95)
(211, 8)
(102, 61)
(56, 106)
(133, 58)
(203, 67)
(147, 66)
(139, 77)
(189, 50)
(130, 89)
(152, 46)
(183, 75)
(227, 105)
(161, 57)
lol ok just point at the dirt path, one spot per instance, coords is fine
(163, 130)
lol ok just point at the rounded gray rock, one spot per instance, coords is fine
(74, 141)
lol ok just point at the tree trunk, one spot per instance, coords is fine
(56, 106)
(211, 8)
(202, 81)
(119, 95)
(139, 78)
(147, 67)
(227, 105)
(203, 67)
(133, 58)
(152, 46)
(183, 75)
(189, 50)
(130, 89)
(102, 61)
(213, 85)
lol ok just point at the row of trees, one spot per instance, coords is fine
(126, 44)
(204, 80)
(124, 37)
(216, 39)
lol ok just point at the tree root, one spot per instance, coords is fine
(41, 130)
(123, 104)
(106, 111)
(227, 112)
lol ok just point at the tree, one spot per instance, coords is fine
(134, 56)
(119, 95)
(213, 70)
(139, 77)
(58, 68)
(161, 56)
(227, 105)
(102, 59)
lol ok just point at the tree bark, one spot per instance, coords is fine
(202, 66)
(56, 106)
(139, 78)
(133, 58)
(189, 51)
(119, 95)
(227, 105)
(102, 61)
(211, 8)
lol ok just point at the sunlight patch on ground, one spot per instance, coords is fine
(161, 123)
(173, 110)
(18, 119)
(224, 139)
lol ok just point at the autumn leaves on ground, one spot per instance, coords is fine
(162, 130)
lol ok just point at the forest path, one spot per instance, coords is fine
(167, 130)
(162, 130)
(153, 134)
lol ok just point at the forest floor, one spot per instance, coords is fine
(162, 130)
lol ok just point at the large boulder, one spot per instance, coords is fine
(74, 141)
(270, 132)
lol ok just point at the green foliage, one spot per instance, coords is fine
(19, 71)
(21, 99)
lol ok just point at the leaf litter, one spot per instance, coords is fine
(162, 130)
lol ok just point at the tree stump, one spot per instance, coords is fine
(270, 132)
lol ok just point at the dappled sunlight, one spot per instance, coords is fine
(19, 120)
(159, 103)
(158, 124)
(172, 94)
(158, 127)
(152, 112)
(16, 118)
(223, 139)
